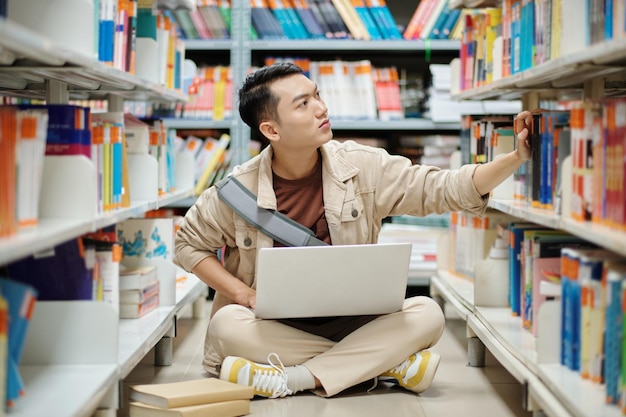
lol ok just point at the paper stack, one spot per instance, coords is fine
(207, 397)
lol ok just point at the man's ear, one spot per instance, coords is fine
(269, 131)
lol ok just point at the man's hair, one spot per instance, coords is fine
(256, 101)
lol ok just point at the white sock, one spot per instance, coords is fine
(299, 378)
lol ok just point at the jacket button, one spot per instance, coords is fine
(247, 241)
(354, 213)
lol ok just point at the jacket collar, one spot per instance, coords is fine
(335, 169)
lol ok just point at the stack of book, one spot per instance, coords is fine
(139, 291)
(205, 397)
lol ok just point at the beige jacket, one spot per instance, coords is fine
(362, 186)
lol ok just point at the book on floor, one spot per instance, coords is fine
(231, 408)
(188, 393)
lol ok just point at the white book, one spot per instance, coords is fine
(31, 149)
(139, 295)
(366, 95)
(573, 19)
(137, 278)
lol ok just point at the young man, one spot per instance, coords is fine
(342, 192)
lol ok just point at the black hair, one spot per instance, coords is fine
(256, 101)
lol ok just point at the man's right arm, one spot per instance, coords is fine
(213, 273)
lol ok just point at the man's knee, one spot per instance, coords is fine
(428, 315)
(227, 320)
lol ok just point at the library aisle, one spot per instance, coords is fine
(456, 390)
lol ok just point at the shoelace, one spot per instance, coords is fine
(400, 369)
(274, 381)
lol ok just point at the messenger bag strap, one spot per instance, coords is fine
(270, 222)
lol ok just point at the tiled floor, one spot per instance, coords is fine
(456, 390)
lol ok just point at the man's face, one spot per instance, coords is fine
(303, 114)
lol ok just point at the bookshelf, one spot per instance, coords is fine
(551, 389)
(77, 352)
(245, 52)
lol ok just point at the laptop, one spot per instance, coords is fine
(325, 281)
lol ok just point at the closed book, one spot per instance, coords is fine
(139, 295)
(135, 311)
(222, 409)
(136, 278)
(189, 393)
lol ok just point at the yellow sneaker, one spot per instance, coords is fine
(416, 373)
(267, 380)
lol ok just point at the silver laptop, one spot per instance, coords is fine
(323, 281)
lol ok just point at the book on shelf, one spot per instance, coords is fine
(315, 28)
(189, 393)
(211, 165)
(108, 255)
(31, 145)
(138, 278)
(64, 272)
(365, 15)
(221, 409)
(137, 310)
(8, 170)
(351, 19)
(332, 17)
(264, 21)
(139, 295)
(383, 18)
(20, 302)
(615, 291)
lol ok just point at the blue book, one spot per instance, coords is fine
(384, 20)
(298, 27)
(448, 25)
(21, 300)
(438, 25)
(613, 335)
(369, 23)
(516, 237)
(548, 158)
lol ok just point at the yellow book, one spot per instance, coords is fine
(203, 181)
(219, 92)
(555, 34)
(352, 20)
(189, 393)
(494, 19)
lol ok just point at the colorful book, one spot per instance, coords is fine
(137, 310)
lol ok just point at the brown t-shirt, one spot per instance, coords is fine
(302, 200)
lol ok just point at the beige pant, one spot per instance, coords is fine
(364, 354)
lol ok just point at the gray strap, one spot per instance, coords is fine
(271, 222)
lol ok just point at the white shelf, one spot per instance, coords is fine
(604, 236)
(138, 336)
(571, 71)
(355, 45)
(38, 60)
(558, 390)
(51, 232)
(404, 124)
(175, 123)
(64, 390)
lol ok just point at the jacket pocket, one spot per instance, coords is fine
(246, 240)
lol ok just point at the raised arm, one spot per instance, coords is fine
(489, 175)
